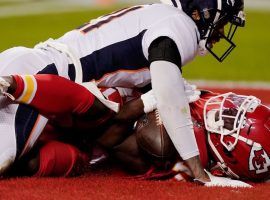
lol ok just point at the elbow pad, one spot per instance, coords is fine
(164, 49)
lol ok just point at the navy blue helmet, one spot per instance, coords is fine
(216, 20)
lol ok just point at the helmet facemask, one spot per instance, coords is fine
(238, 129)
(226, 115)
(219, 38)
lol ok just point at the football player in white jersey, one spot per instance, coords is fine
(132, 48)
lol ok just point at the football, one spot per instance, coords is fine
(152, 136)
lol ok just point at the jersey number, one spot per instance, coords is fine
(88, 26)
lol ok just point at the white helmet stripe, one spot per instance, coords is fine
(219, 7)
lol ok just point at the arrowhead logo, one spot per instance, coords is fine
(259, 161)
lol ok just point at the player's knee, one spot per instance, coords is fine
(60, 159)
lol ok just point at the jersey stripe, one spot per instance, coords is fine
(122, 71)
(25, 120)
(123, 55)
(29, 89)
(32, 137)
(174, 3)
(49, 69)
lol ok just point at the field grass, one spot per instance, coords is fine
(29, 30)
(250, 61)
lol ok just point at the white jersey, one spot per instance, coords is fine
(113, 49)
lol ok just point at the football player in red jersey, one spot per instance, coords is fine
(47, 109)
(232, 133)
(237, 134)
(66, 105)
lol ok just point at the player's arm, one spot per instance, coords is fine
(172, 103)
(122, 123)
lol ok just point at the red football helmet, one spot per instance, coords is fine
(238, 131)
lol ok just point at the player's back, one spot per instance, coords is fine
(120, 40)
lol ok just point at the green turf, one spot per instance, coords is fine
(250, 61)
(29, 30)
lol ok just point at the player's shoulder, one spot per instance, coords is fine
(169, 17)
(163, 10)
(176, 25)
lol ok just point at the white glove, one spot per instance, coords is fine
(4, 85)
(224, 182)
(191, 91)
(149, 101)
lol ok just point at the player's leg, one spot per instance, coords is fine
(61, 159)
(20, 125)
(55, 95)
(53, 158)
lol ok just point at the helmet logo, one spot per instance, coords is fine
(231, 2)
(258, 160)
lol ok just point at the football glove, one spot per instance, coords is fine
(191, 92)
(149, 101)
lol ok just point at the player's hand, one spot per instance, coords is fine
(223, 182)
(149, 101)
(191, 92)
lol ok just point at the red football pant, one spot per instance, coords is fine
(61, 159)
(53, 95)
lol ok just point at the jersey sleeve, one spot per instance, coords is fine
(181, 29)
